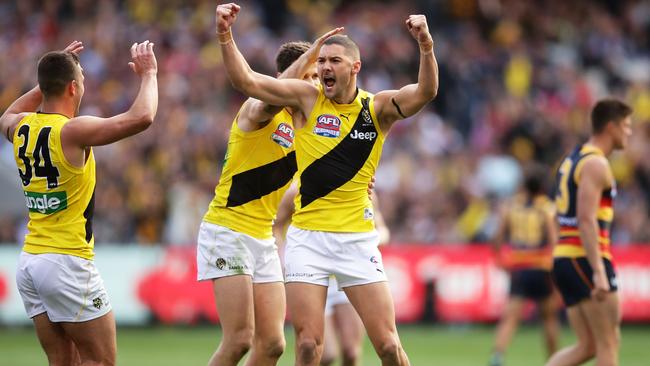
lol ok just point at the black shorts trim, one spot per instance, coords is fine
(573, 277)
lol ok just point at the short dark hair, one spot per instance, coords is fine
(535, 179)
(608, 110)
(55, 70)
(289, 53)
(351, 48)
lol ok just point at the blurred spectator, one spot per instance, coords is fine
(518, 79)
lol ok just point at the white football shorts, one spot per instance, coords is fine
(353, 258)
(66, 287)
(224, 252)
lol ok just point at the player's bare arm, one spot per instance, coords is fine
(500, 234)
(594, 178)
(288, 92)
(550, 225)
(86, 131)
(380, 223)
(28, 102)
(393, 105)
(255, 112)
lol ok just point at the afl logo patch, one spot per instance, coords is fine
(283, 135)
(328, 125)
(220, 263)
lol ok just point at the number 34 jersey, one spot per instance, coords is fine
(59, 196)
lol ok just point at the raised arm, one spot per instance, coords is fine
(594, 178)
(86, 131)
(288, 92)
(255, 112)
(393, 105)
(28, 102)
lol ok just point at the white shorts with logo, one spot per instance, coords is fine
(224, 252)
(67, 288)
(353, 258)
(334, 297)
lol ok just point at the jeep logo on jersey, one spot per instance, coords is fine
(46, 203)
(328, 125)
(363, 135)
(283, 135)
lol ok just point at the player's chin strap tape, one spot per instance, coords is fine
(399, 110)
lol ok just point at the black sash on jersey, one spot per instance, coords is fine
(342, 163)
(258, 182)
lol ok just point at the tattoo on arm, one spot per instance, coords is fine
(399, 110)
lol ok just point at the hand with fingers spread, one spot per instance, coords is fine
(225, 16)
(143, 58)
(75, 47)
(417, 26)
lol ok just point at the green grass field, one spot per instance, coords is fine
(426, 345)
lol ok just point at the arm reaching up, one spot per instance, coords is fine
(85, 131)
(393, 105)
(28, 102)
(254, 112)
(287, 92)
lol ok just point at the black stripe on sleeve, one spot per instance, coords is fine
(399, 110)
(258, 182)
(343, 162)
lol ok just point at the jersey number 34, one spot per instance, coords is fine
(42, 163)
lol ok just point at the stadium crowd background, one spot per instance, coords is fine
(517, 80)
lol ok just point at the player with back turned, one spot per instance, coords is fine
(527, 225)
(57, 279)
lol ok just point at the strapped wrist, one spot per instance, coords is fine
(224, 37)
(426, 47)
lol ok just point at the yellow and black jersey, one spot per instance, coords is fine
(527, 231)
(568, 179)
(337, 151)
(257, 170)
(59, 196)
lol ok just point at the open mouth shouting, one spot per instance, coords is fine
(328, 82)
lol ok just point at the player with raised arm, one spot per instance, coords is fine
(583, 267)
(527, 225)
(61, 289)
(236, 250)
(337, 151)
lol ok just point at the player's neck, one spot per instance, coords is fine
(603, 143)
(58, 106)
(349, 95)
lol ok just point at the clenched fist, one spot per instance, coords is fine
(226, 15)
(417, 25)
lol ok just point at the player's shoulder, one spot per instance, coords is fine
(544, 203)
(8, 124)
(595, 168)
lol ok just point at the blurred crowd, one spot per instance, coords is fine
(517, 81)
